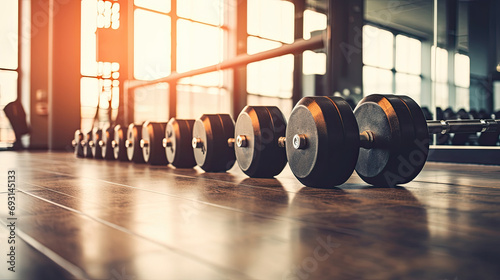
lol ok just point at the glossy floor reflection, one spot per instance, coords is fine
(81, 218)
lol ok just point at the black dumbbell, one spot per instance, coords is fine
(134, 136)
(152, 143)
(177, 143)
(106, 143)
(118, 143)
(327, 145)
(210, 138)
(77, 144)
(87, 149)
(94, 143)
(258, 139)
(322, 141)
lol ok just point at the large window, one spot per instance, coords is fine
(392, 64)
(462, 81)
(378, 60)
(440, 76)
(99, 83)
(270, 24)
(9, 28)
(313, 62)
(202, 34)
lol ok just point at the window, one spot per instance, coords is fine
(408, 67)
(9, 57)
(99, 83)
(202, 41)
(392, 64)
(152, 58)
(313, 63)
(462, 81)
(151, 45)
(439, 58)
(270, 23)
(378, 47)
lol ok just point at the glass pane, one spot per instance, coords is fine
(157, 5)
(378, 47)
(8, 93)
(88, 56)
(9, 34)
(198, 45)
(256, 45)
(313, 21)
(462, 98)
(271, 77)
(441, 68)
(376, 80)
(408, 55)
(409, 85)
(151, 103)
(202, 10)
(8, 87)
(313, 63)
(212, 79)
(151, 45)
(272, 19)
(442, 95)
(285, 104)
(89, 95)
(462, 70)
(193, 101)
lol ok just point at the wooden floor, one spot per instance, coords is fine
(83, 218)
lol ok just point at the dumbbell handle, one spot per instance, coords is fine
(443, 127)
(462, 126)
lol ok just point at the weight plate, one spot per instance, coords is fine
(77, 144)
(210, 137)
(96, 138)
(178, 148)
(151, 143)
(134, 151)
(87, 149)
(322, 141)
(390, 120)
(418, 149)
(108, 136)
(256, 135)
(119, 148)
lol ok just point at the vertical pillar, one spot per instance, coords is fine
(300, 6)
(63, 71)
(39, 76)
(344, 48)
(172, 86)
(240, 73)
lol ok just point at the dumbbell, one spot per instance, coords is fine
(211, 133)
(87, 149)
(106, 143)
(118, 143)
(253, 141)
(391, 149)
(77, 144)
(177, 143)
(152, 143)
(134, 136)
(94, 143)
